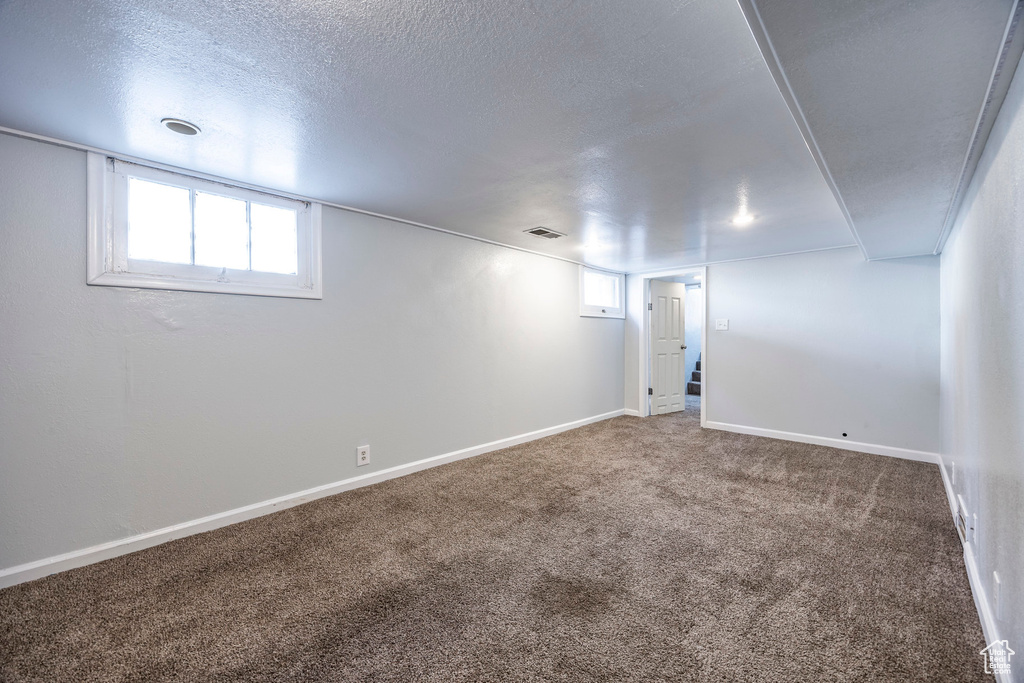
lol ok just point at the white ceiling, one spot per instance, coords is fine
(636, 128)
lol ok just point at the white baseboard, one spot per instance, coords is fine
(988, 622)
(948, 486)
(630, 411)
(875, 449)
(985, 614)
(104, 551)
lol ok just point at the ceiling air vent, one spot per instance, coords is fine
(544, 232)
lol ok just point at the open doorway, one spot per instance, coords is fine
(675, 324)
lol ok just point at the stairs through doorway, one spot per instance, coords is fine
(693, 386)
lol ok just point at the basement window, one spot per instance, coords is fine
(160, 230)
(601, 294)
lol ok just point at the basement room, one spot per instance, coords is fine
(408, 340)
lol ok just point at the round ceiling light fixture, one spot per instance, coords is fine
(182, 127)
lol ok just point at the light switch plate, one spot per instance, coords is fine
(722, 324)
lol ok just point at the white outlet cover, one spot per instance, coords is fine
(722, 324)
(362, 456)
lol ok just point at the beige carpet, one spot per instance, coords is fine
(629, 550)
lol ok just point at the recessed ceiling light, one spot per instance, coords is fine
(742, 219)
(179, 126)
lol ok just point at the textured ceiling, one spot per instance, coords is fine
(891, 92)
(636, 128)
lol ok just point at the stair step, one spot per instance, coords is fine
(695, 375)
(698, 365)
(693, 388)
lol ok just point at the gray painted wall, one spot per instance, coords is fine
(825, 343)
(819, 344)
(124, 411)
(982, 305)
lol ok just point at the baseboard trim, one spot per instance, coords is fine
(988, 622)
(104, 551)
(631, 412)
(989, 628)
(874, 449)
(948, 486)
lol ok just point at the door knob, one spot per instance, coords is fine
(683, 346)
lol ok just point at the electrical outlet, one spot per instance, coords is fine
(952, 472)
(362, 456)
(974, 529)
(722, 324)
(997, 596)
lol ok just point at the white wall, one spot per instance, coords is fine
(124, 411)
(694, 326)
(824, 343)
(982, 306)
(819, 344)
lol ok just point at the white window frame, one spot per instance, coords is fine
(603, 311)
(108, 262)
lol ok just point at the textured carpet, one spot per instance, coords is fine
(628, 550)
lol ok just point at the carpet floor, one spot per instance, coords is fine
(627, 550)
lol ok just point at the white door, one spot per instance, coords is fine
(667, 345)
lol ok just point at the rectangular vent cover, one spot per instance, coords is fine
(544, 232)
(962, 525)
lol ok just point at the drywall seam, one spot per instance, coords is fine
(1010, 51)
(280, 193)
(771, 59)
(104, 551)
(874, 449)
(675, 270)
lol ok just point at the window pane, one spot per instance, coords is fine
(274, 244)
(222, 232)
(600, 290)
(159, 222)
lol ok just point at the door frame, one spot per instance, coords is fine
(645, 337)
